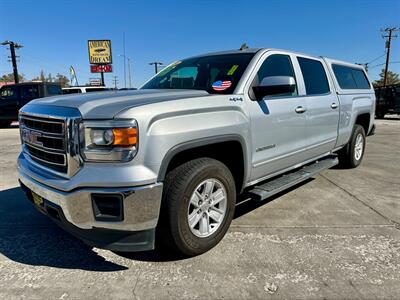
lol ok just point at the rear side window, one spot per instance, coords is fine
(350, 78)
(314, 76)
(54, 90)
(71, 91)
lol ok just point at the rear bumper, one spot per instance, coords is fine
(74, 211)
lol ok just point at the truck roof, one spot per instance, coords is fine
(255, 50)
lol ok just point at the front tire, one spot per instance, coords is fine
(198, 206)
(352, 155)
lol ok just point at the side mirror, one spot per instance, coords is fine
(275, 85)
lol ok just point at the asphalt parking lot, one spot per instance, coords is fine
(335, 236)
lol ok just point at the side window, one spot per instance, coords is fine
(350, 78)
(275, 65)
(9, 93)
(29, 92)
(54, 90)
(361, 80)
(314, 76)
(344, 77)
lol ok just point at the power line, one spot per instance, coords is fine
(391, 62)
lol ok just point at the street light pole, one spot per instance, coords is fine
(13, 46)
(129, 73)
(129, 69)
(156, 64)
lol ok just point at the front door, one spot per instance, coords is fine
(278, 123)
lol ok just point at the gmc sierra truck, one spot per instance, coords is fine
(162, 166)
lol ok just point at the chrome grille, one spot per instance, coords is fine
(45, 141)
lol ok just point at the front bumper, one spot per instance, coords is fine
(74, 212)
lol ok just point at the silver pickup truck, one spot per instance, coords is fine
(163, 165)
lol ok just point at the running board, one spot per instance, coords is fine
(287, 180)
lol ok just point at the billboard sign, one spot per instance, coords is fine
(99, 52)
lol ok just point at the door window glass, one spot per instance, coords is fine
(275, 65)
(29, 92)
(314, 76)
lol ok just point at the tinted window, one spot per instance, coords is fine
(350, 78)
(29, 92)
(54, 90)
(71, 91)
(8, 92)
(216, 74)
(275, 65)
(96, 90)
(314, 76)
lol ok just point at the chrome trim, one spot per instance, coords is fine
(256, 165)
(117, 154)
(46, 161)
(141, 204)
(71, 118)
(286, 170)
(24, 116)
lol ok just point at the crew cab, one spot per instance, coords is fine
(14, 96)
(163, 165)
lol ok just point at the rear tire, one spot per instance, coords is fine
(352, 155)
(197, 208)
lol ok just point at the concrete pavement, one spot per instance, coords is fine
(335, 236)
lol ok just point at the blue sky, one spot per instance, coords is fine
(55, 33)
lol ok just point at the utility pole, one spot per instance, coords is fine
(387, 45)
(13, 46)
(156, 64)
(115, 81)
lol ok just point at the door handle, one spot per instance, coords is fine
(334, 106)
(300, 109)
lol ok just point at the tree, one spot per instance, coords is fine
(392, 78)
(10, 78)
(62, 80)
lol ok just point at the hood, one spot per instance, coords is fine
(105, 105)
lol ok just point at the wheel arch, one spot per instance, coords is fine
(214, 147)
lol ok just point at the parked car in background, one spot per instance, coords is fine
(14, 96)
(166, 162)
(83, 89)
(387, 100)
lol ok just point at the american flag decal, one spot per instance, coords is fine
(221, 85)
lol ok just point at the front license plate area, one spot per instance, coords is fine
(37, 200)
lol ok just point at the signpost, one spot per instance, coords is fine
(100, 57)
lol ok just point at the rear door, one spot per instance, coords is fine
(322, 106)
(277, 130)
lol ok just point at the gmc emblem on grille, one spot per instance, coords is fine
(31, 137)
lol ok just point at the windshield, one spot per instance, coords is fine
(216, 74)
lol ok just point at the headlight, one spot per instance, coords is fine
(114, 140)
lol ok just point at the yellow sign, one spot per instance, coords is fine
(100, 52)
